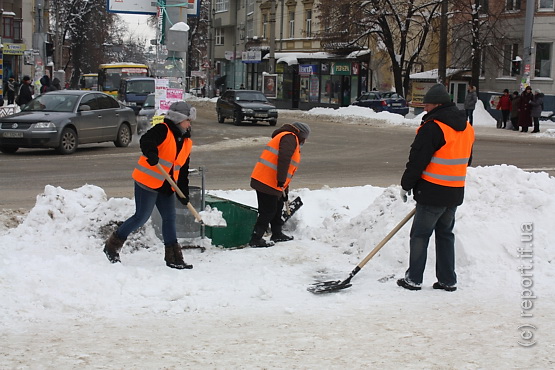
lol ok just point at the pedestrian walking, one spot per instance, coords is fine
(536, 109)
(168, 144)
(515, 106)
(271, 177)
(470, 103)
(504, 105)
(525, 109)
(435, 173)
(11, 88)
(25, 93)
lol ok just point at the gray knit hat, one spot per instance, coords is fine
(303, 128)
(437, 95)
(181, 111)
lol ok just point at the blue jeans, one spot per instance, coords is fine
(427, 220)
(145, 200)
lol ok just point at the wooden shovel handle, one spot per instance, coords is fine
(179, 192)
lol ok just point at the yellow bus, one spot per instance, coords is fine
(89, 81)
(110, 75)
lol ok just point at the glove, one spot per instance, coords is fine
(285, 195)
(281, 184)
(404, 194)
(183, 201)
(152, 159)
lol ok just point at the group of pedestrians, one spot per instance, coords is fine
(22, 93)
(524, 110)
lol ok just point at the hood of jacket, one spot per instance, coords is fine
(285, 128)
(448, 114)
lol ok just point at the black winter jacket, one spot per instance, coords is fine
(428, 140)
(149, 146)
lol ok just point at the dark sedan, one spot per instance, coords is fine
(245, 105)
(383, 102)
(65, 119)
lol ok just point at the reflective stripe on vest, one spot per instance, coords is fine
(266, 168)
(168, 158)
(448, 164)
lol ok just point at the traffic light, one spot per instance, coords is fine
(516, 67)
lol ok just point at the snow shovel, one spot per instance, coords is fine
(335, 285)
(217, 223)
(290, 208)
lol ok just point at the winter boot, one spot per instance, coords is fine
(448, 288)
(112, 247)
(174, 257)
(407, 284)
(279, 236)
(257, 240)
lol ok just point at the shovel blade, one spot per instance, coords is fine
(329, 286)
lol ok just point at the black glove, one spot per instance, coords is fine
(285, 195)
(280, 184)
(183, 201)
(152, 159)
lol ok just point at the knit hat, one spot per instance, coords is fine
(181, 111)
(537, 91)
(303, 128)
(437, 95)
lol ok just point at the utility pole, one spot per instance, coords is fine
(442, 58)
(272, 57)
(527, 52)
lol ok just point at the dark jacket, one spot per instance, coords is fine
(537, 105)
(25, 94)
(428, 140)
(515, 103)
(287, 147)
(524, 110)
(149, 146)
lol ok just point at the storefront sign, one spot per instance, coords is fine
(14, 49)
(251, 56)
(308, 69)
(341, 68)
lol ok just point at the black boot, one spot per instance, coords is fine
(279, 236)
(257, 240)
(112, 247)
(174, 257)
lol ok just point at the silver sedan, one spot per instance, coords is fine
(66, 118)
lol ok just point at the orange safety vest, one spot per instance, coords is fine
(168, 157)
(265, 169)
(448, 164)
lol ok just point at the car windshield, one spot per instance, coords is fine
(52, 103)
(149, 102)
(250, 96)
(140, 87)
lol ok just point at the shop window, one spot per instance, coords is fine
(543, 60)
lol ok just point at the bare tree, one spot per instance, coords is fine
(477, 26)
(403, 28)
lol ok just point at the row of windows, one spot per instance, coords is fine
(543, 59)
(511, 5)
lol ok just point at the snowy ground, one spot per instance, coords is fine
(64, 306)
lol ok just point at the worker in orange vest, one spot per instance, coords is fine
(168, 144)
(271, 177)
(435, 173)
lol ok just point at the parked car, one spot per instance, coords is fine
(144, 118)
(134, 90)
(245, 105)
(64, 119)
(383, 102)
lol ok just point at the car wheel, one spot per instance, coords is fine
(237, 119)
(124, 136)
(273, 122)
(221, 118)
(68, 141)
(8, 149)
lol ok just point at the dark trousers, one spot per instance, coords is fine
(469, 114)
(269, 212)
(514, 121)
(429, 219)
(536, 124)
(505, 117)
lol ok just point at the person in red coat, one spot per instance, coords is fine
(524, 109)
(505, 106)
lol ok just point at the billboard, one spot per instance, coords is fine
(150, 6)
